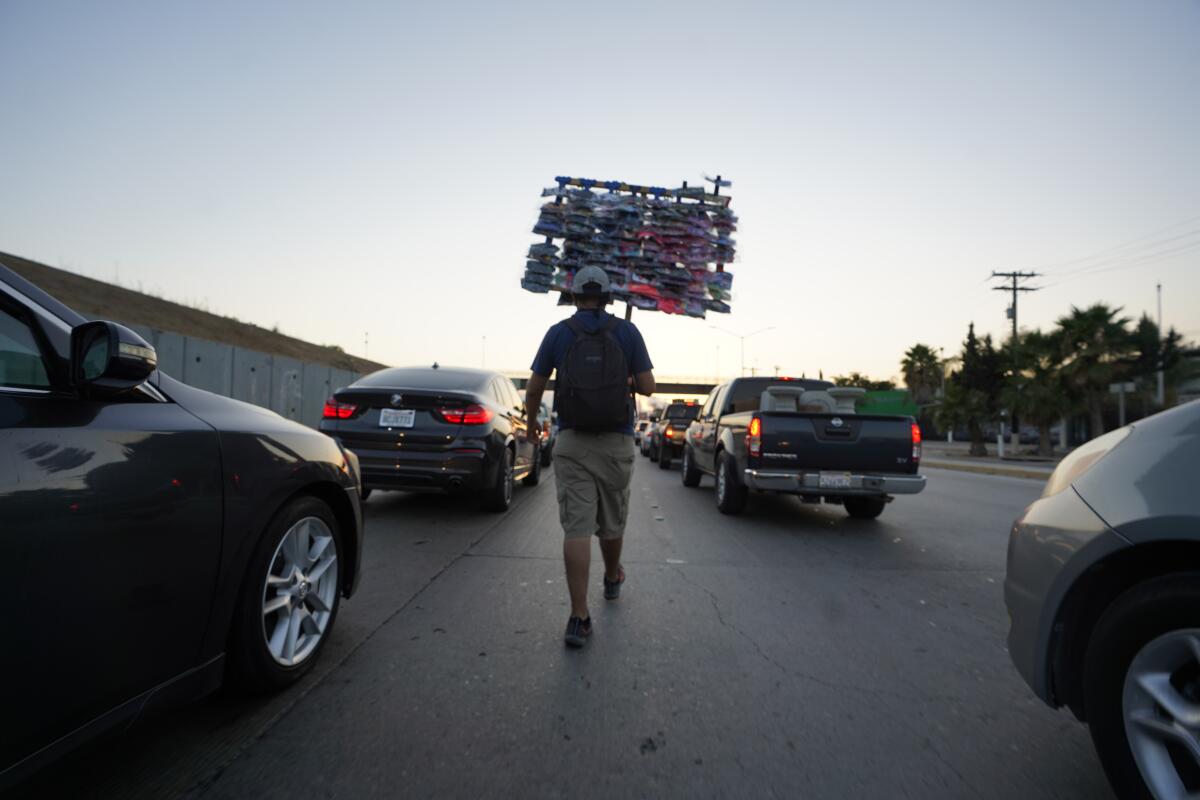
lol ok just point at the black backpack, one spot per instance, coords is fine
(592, 389)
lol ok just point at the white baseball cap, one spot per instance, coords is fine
(591, 280)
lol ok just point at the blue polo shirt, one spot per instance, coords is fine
(553, 351)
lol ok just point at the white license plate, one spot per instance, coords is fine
(834, 480)
(397, 417)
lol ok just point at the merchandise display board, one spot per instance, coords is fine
(663, 249)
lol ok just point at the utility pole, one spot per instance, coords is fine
(1015, 288)
(1161, 394)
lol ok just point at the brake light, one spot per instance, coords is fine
(671, 433)
(335, 410)
(916, 442)
(754, 437)
(467, 415)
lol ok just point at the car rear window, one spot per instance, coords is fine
(746, 394)
(457, 380)
(683, 412)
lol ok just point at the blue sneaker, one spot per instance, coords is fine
(612, 589)
(577, 631)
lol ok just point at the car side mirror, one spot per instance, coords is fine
(108, 358)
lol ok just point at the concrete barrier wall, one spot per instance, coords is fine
(294, 389)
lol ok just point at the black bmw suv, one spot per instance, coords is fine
(436, 428)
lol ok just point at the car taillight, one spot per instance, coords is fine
(335, 410)
(754, 437)
(467, 415)
(916, 442)
(671, 433)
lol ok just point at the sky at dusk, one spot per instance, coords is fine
(339, 169)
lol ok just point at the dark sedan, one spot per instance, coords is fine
(436, 428)
(158, 539)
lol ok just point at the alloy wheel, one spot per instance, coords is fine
(300, 591)
(1161, 706)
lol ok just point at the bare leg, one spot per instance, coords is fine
(611, 550)
(577, 555)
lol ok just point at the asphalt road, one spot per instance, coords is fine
(790, 652)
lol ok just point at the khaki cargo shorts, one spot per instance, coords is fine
(592, 472)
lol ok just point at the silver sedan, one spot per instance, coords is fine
(1103, 590)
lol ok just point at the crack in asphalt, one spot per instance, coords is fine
(878, 693)
(207, 783)
(938, 755)
(872, 692)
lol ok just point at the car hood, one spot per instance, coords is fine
(226, 413)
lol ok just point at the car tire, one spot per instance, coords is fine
(1141, 627)
(499, 496)
(259, 641)
(864, 507)
(730, 493)
(535, 474)
(364, 494)
(654, 452)
(690, 472)
(664, 458)
(547, 455)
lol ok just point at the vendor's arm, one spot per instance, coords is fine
(534, 390)
(641, 368)
(644, 382)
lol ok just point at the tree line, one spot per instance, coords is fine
(1046, 376)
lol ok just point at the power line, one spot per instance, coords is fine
(1136, 261)
(1135, 254)
(1119, 247)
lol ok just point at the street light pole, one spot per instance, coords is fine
(743, 337)
(1161, 395)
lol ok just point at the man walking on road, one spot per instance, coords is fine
(599, 359)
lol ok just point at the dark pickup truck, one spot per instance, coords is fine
(801, 437)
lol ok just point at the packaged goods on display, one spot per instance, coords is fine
(663, 249)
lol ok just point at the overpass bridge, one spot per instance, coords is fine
(666, 385)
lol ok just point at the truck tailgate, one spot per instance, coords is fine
(853, 443)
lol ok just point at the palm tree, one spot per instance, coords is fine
(922, 373)
(963, 407)
(1095, 342)
(1039, 393)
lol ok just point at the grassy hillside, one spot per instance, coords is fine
(100, 300)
